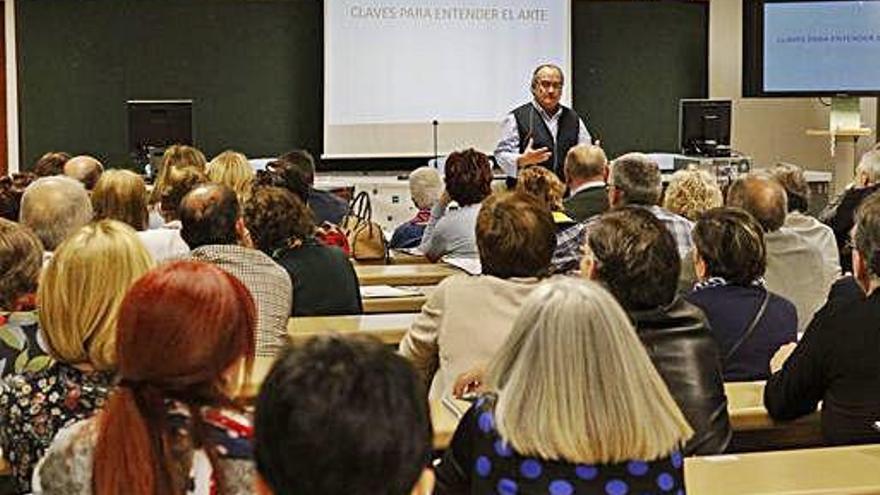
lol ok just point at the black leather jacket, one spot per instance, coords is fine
(682, 349)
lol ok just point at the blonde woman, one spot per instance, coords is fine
(575, 406)
(79, 297)
(691, 192)
(122, 195)
(232, 169)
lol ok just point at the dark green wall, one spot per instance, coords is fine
(254, 69)
(633, 61)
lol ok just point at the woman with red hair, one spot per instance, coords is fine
(185, 331)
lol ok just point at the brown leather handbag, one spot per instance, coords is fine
(365, 237)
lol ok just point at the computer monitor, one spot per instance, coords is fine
(704, 127)
(154, 125)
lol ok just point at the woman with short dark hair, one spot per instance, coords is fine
(324, 281)
(749, 322)
(466, 319)
(468, 182)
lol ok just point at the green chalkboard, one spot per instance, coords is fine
(633, 60)
(254, 69)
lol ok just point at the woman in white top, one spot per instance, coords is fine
(122, 195)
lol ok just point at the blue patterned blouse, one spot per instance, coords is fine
(479, 461)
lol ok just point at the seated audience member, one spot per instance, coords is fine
(21, 259)
(324, 280)
(466, 319)
(749, 322)
(215, 231)
(177, 185)
(635, 181)
(836, 361)
(451, 231)
(122, 195)
(840, 213)
(575, 407)
(543, 185)
(425, 187)
(295, 171)
(177, 157)
(795, 268)
(79, 296)
(51, 163)
(11, 189)
(586, 170)
(186, 330)
(232, 169)
(691, 192)
(362, 429)
(54, 208)
(633, 254)
(84, 168)
(797, 193)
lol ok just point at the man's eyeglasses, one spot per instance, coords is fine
(550, 85)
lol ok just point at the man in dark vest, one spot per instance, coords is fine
(542, 131)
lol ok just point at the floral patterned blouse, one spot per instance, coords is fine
(35, 406)
(21, 348)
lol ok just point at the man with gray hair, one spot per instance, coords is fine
(635, 180)
(586, 170)
(84, 168)
(836, 360)
(541, 131)
(797, 191)
(840, 213)
(425, 188)
(54, 208)
(795, 268)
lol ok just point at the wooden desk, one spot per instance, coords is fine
(396, 258)
(746, 419)
(444, 423)
(838, 470)
(379, 305)
(754, 429)
(389, 328)
(404, 274)
(406, 304)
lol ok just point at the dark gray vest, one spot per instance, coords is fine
(529, 124)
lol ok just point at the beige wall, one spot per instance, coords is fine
(769, 129)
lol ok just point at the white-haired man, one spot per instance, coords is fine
(54, 208)
(840, 214)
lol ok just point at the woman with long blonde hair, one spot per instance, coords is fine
(78, 300)
(575, 406)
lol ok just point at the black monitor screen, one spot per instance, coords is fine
(704, 127)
